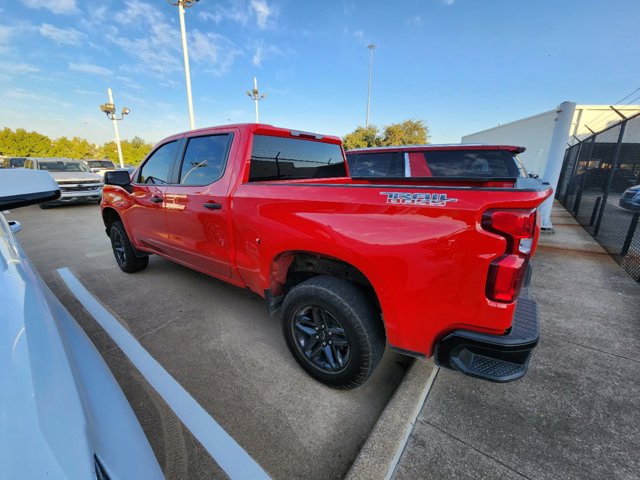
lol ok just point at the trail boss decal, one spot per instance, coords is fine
(427, 199)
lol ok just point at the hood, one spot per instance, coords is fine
(40, 402)
(70, 176)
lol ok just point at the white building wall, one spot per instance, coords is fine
(535, 132)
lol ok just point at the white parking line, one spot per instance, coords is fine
(231, 457)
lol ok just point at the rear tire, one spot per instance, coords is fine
(124, 252)
(333, 331)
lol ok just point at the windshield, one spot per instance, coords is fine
(100, 163)
(62, 166)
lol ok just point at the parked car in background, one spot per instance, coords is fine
(77, 183)
(99, 166)
(630, 198)
(12, 162)
(62, 414)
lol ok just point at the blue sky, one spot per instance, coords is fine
(459, 65)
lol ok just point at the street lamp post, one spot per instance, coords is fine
(371, 48)
(256, 97)
(110, 110)
(182, 4)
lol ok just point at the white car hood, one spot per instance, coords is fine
(56, 393)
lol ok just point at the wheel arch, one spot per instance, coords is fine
(290, 268)
(109, 216)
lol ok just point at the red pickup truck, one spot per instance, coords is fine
(428, 265)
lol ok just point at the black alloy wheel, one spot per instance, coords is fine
(321, 338)
(125, 254)
(333, 330)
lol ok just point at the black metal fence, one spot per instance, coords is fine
(596, 187)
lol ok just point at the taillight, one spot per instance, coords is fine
(506, 274)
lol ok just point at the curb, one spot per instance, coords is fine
(381, 452)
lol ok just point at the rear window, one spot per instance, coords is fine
(436, 163)
(471, 163)
(278, 158)
(386, 164)
(61, 166)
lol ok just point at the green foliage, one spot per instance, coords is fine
(362, 137)
(133, 151)
(409, 132)
(33, 144)
(23, 144)
(74, 148)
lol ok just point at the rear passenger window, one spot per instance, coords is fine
(277, 158)
(472, 163)
(388, 164)
(157, 168)
(204, 159)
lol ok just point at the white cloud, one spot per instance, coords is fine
(262, 12)
(61, 36)
(235, 11)
(239, 11)
(138, 12)
(26, 95)
(257, 57)
(17, 68)
(415, 20)
(55, 6)
(215, 52)
(89, 68)
(95, 17)
(263, 52)
(5, 33)
(157, 46)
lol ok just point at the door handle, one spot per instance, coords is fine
(156, 199)
(213, 205)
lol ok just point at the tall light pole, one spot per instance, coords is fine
(182, 4)
(371, 48)
(110, 110)
(256, 97)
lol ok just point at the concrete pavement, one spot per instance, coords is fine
(577, 412)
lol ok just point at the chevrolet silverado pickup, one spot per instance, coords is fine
(431, 265)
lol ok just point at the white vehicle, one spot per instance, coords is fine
(77, 183)
(62, 414)
(99, 166)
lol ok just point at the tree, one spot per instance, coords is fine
(409, 132)
(23, 144)
(133, 151)
(362, 137)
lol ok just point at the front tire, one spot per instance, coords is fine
(333, 331)
(124, 252)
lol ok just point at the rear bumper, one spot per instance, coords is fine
(497, 358)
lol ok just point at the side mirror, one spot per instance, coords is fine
(120, 178)
(15, 226)
(20, 187)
